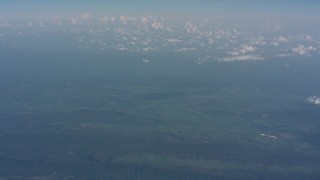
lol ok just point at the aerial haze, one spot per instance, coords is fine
(232, 8)
(190, 90)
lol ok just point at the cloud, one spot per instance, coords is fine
(221, 41)
(173, 40)
(104, 19)
(270, 136)
(243, 49)
(282, 39)
(190, 27)
(144, 20)
(123, 20)
(122, 49)
(148, 49)
(252, 57)
(184, 49)
(260, 40)
(314, 100)
(201, 60)
(74, 21)
(284, 55)
(157, 26)
(308, 38)
(279, 40)
(120, 30)
(210, 40)
(302, 50)
(246, 49)
(145, 60)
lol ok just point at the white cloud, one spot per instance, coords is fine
(284, 55)
(282, 39)
(123, 49)
(246, 49)
(210, 40)
(123, 20)
(302, 50)
(145, 60)
(260, 40)
(104, 19)
(234, 53)
(252, 57)
(279, 40)
(270, 136)
(308, 38)
(184, 49)
(173, 40)
(190, 27)
(157, 26)
(148, 49)
(144, 20)
(314, 100)
(120, 30)
(201, 60)
(74, 21)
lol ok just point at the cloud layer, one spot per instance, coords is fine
(200, 38)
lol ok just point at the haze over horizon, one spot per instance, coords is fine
(160, 89)
(286, 9)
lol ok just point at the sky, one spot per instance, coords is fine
(231, 8)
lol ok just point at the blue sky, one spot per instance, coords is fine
(236, 8)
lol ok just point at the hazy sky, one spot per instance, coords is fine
(232, 8)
